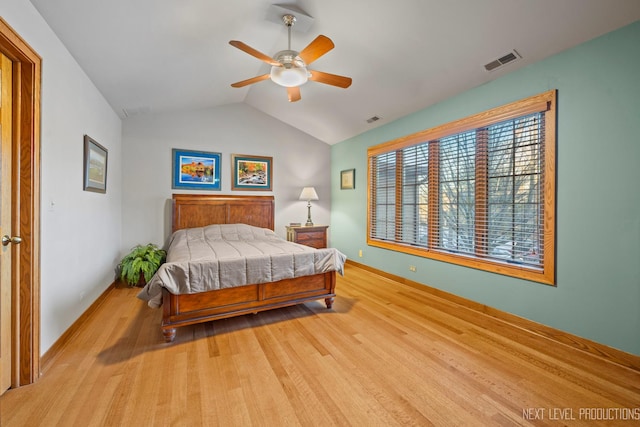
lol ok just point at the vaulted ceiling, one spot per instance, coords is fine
(149, 56)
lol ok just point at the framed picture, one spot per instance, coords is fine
(348, 179)
(95, 166)
(196, 170)
(251, 172)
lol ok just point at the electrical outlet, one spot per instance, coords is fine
(360, 253)
(412, 268)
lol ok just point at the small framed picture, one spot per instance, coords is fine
(95, 166)
(348, 179)
(251, 172)
(196, 170)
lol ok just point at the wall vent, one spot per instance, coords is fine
(505, 59)
(373, 119)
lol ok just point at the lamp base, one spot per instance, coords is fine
(309, 222)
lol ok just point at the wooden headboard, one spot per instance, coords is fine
(198, 210)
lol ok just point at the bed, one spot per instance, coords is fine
(191, 288)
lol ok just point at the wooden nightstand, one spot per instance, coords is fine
(314, 235)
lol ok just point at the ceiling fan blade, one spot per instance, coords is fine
(251, 51)
(252, 80)
(330, 79)
(318, 47)
(294, 93)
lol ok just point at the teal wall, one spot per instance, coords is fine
(598, 200)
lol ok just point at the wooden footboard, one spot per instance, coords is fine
(189, 309)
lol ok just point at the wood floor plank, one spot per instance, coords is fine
(387, 354)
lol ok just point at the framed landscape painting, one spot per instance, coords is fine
(196, 170)
(95, 166)
(251, 172)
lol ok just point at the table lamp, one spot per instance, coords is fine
(308, 194)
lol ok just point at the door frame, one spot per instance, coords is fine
(25, 197)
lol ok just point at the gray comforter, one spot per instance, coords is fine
(226, 255)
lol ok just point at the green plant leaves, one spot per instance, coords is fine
(142, 260)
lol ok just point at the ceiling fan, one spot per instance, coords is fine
(290, 68)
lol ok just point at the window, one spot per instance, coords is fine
(478, 192)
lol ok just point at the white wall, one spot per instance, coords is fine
(299, 160)
(81, 231)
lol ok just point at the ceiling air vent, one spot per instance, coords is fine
(373, 119)
(509, 57)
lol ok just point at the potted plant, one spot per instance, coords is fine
(139, 265)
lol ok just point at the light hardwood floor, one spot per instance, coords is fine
(387, 354)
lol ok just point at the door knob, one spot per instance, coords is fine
(6, 240)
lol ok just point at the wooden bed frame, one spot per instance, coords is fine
(195, 210)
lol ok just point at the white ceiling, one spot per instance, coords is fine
(150, 56)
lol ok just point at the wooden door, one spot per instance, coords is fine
(24, 139)
(5, 224)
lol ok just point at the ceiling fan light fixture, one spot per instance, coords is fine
(289, 76)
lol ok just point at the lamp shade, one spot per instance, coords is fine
(308, 193)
